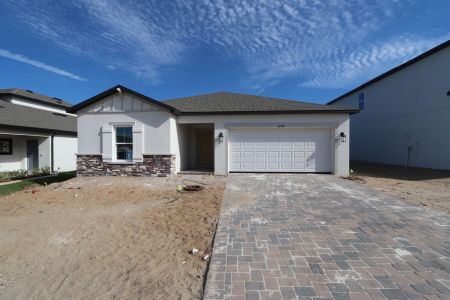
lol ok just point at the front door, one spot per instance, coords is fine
(204, 148)
(32, 154)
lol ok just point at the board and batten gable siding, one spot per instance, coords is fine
(152, 126)
(409, 108)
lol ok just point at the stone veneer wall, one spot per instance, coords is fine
(152, 165)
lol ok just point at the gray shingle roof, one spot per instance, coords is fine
(224, 102)
(22, 116)
(35, 97)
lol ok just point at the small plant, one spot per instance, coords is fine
(23, 174)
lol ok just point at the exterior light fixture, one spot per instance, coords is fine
(448, 93)
(220, 137)
(343, 137)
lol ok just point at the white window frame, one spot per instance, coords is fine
(114, 142)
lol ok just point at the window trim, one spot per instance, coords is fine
(115, 143)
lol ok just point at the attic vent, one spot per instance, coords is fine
(57, 99)
(29, 91)
(59, 114)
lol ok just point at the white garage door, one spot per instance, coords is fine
(280, 150)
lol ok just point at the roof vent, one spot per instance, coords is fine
(29, 91)
(57, 99)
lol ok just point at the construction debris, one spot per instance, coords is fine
(193, 188)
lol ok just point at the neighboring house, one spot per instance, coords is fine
(36, 132)
(404, 114)
(122, 132)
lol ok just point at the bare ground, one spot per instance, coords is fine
(107, 238)
(426, 187)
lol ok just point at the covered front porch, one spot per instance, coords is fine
(24, 151)
(196, 142)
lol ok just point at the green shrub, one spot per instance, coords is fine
(22, 174)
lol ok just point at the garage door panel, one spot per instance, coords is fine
(285, 150)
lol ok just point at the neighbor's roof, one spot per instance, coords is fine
(14, 115)
(30, 95)
(394, 70)
(229, 103)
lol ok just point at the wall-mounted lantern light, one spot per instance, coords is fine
(220, 137)
(343, 137)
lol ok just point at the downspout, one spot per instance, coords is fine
(52, 157)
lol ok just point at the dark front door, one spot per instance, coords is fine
(205, 148)
(33, 154)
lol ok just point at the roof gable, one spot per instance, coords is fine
(117, 104)
(123, 102)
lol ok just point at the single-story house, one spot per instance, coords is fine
(404, 114)
(123, 132)
(36, 132)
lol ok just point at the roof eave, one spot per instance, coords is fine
(39, 129)
(36, 100)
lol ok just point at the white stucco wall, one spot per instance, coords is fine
(17, 160)
(65, 148)
(409, 108)
(152, 123)
(222, 123)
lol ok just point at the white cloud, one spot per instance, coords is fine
(318, 43)
(38, 64)
(367, 61)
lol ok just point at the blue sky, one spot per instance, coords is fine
(306, 50)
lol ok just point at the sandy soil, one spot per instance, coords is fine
(107, 238)
(426, 187)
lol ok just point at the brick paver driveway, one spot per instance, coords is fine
(318, 236)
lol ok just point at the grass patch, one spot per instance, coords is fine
(18, 186)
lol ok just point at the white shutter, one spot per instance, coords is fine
(138, 142)
(107, 143)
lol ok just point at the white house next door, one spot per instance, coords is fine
(280, 150)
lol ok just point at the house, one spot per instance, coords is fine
(404, 114)
(36, 132)
(122, 132)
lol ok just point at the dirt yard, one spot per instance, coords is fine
(422, 186)
(108, 238)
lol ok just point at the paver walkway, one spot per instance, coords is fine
(317, 236)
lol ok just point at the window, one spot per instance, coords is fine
(5, 146)
(361, 101)
(124, 143)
